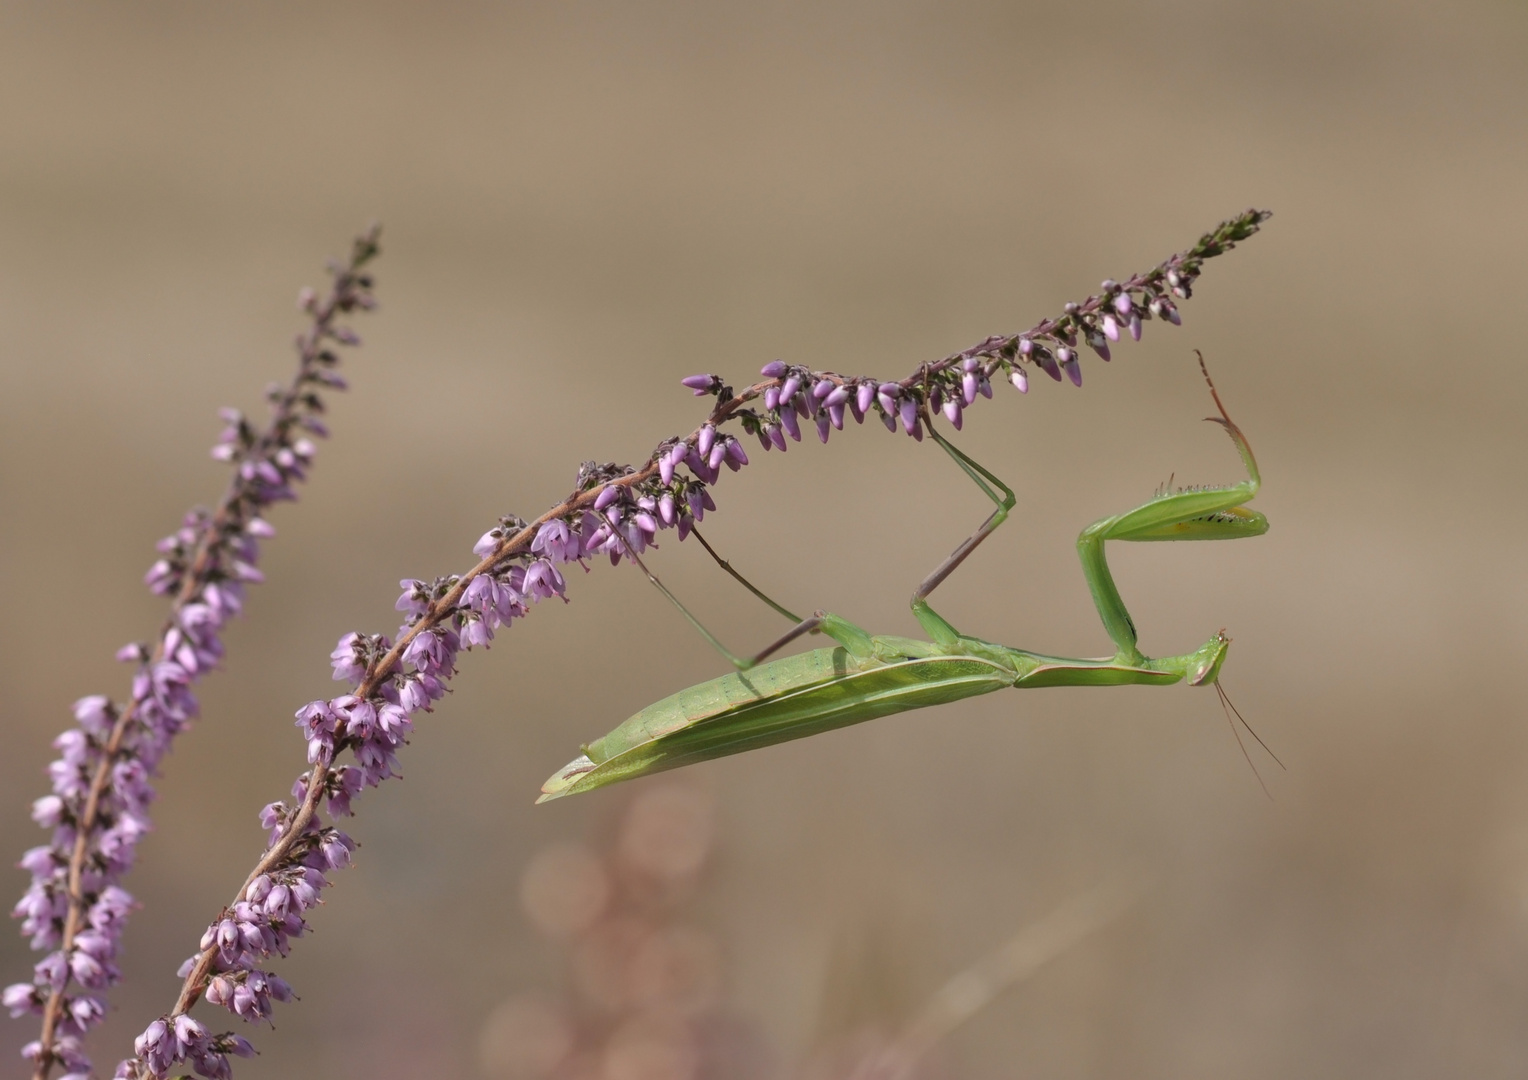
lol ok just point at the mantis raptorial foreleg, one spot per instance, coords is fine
(1188, 514)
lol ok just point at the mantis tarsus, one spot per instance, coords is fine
(868, 676)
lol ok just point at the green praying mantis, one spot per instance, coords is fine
(866, 676)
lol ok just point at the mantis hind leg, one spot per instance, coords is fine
(1209, 513)
(840, 630)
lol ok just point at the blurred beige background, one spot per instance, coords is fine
(584, 203)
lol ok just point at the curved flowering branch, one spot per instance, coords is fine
(613, 510)
(98, 809)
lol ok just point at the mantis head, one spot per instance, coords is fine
(1204, 665)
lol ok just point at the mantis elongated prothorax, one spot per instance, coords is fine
(867, 676)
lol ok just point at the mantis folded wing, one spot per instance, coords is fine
(867, 676)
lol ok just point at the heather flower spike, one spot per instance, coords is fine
(98, 810)
(618, 511)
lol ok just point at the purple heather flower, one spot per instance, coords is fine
(705, 440)
(188, 1033)
(155, 1047)
(789, 387)
(476, 631)
(909, 413)
(481, 594)
(791, 424)
(1123, 305)
(487, 543)
(823, 427)
(823, 388)
(1111, 328)
(666, 507)
(887, 394)
(542, 582)
(162, 578)
(434, 651)
(1047, 362)
(701, 384)
(557, 541)
(1164, 308)
(773, 370)
(952, 412)
(21, 998)
(347, 660)
(889, 419)
(1070, 365)
(771, 397)
(345, 786)
(48, 811)
(415, 599)
(836, 415)
(736, 458)
(1135, 326)
(700, 466)
(609, 494)
(864, 397)
(1097, 343)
